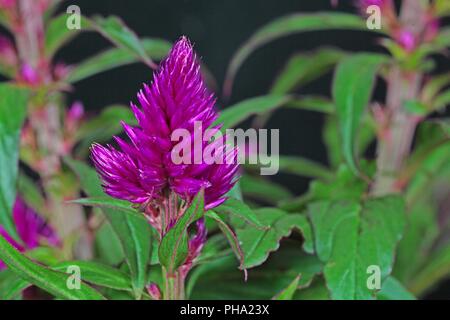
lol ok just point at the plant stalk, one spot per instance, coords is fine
(174, 288)
(45, 118)
(402, 85)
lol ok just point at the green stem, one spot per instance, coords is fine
(173, 285)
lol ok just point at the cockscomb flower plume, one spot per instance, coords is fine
(143, 171)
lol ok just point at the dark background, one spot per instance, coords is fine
(217, 29)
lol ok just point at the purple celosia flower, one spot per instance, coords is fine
(31, 229)
(143, 171)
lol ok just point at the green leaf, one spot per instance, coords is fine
(430, 169)
(239, 112)
(4, 21)
(173, 249)
(13, 109)
(116, 57)
(352, 90)
(45, 255)
(332, 141)
(107, 202)
(435, 269)
(415, 107)
(31, 192)
(312, 103)
(51, 281)
(442, 7)
(304, 68)
(257, 244)
(133, 231)
(289, 291)
(420, 234)
(349, 238)
(98, 274)
(114, 29)
(317, 290)
(108, 246)
(392, 289)
(230, 235)
(57, 34)
(345, 185)
(107, 123)
(302, 167)
(11, 285)
(240, 210)
(441, 101)
(263, 189)
(433, 86)
(91, 272)
(263, 282)
(441, 42)
(293, 165)
(236, 191)
(287, 25)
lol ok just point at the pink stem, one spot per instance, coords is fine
(395, 146)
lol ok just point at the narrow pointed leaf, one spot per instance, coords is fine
(436, 269)
(394, 290)
(304, 68)
(11, 98)
(107, 202)
(241, 111)
(117, 57)
(51, 281)
(230, 235)
(58, 34)
(289, 291)
(312, 103)
(173, 249)
(98, 274)
(263, 189)
(352, 90)
(114, 29)
(287, 25)
(239, 209)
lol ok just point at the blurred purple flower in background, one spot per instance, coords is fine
(31, 229)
